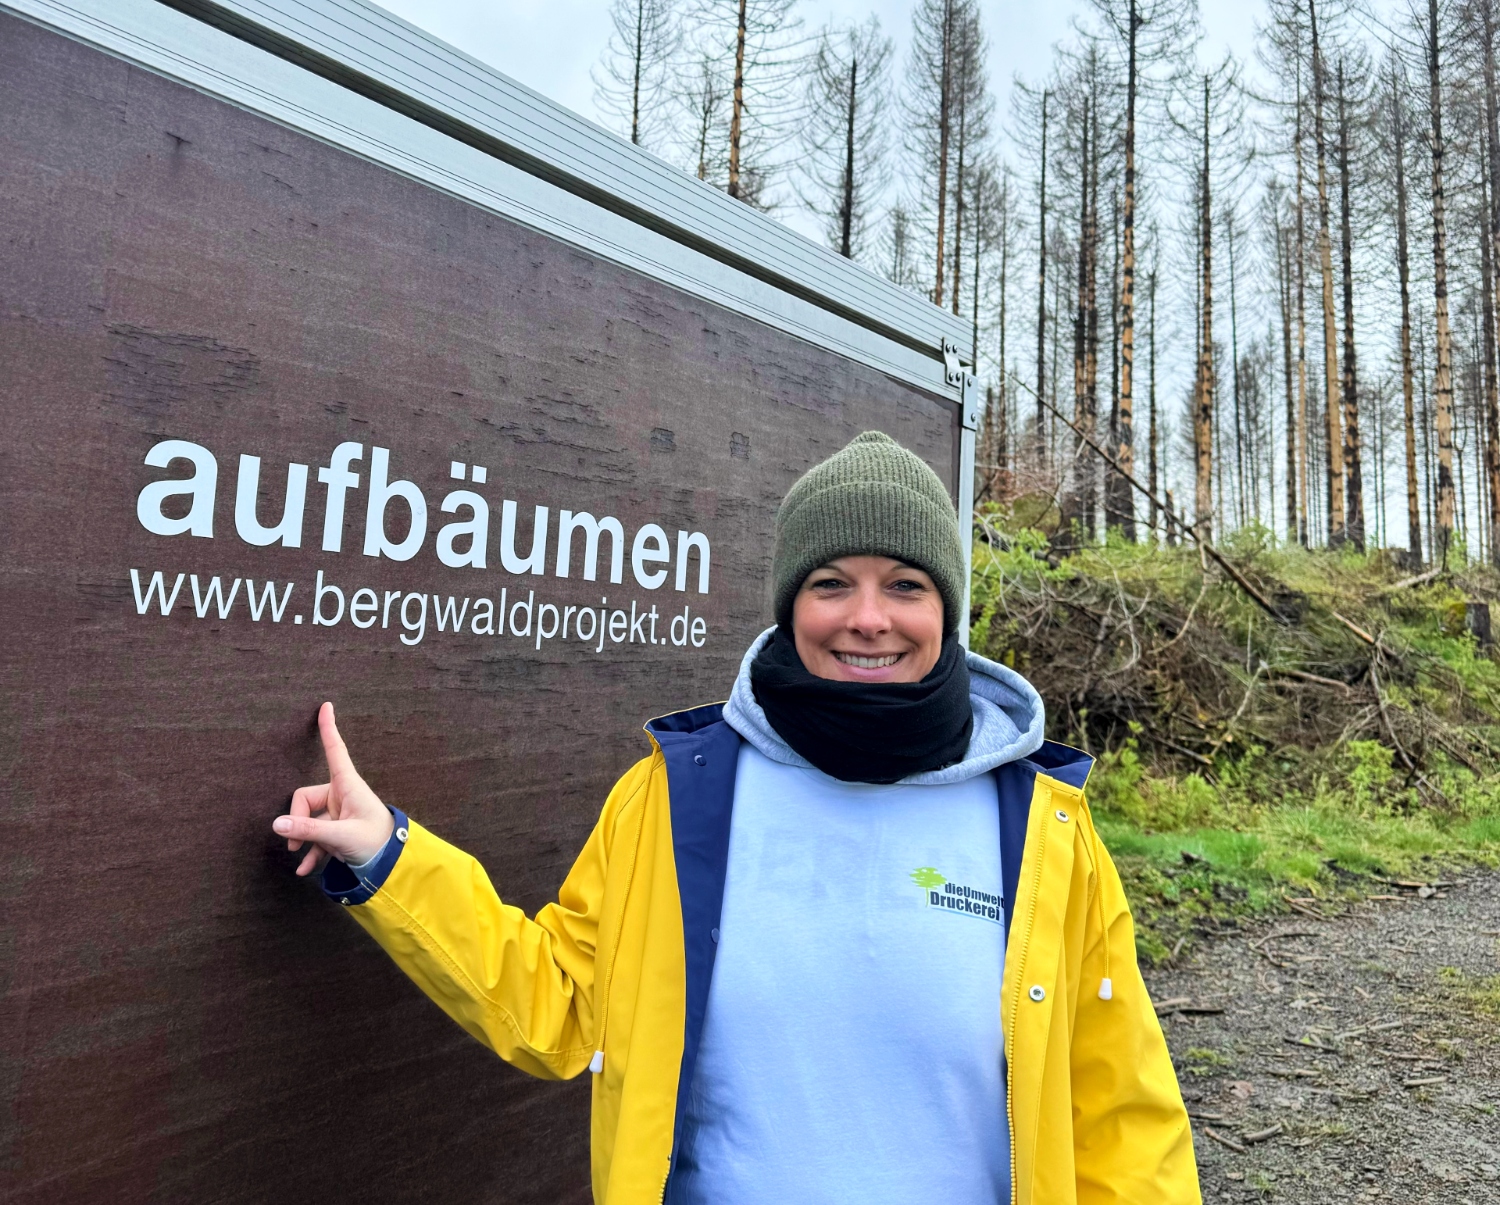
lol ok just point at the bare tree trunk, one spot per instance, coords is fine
(1117, 492)
(1054, 430)
(958, 198)
(636, 66)
(1041, 300)
(1091, 356)
(991, 450)
(1075, 512)
(1152, 471)
(978, 254)
(1492, 385)
(1203, 411)
(1125, 404)
(1284, 295)
(1234, 358)
(1334, 451)
(1304, 532)
(1005, 435)
(945, 122)
(1487, 336)
(1403, 270)
(1443, 382)
(1353, 476)
(1427, 425)
(846, 205)
(736, 123)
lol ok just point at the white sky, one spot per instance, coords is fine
(550, 45)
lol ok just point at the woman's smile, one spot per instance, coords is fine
(869, 660)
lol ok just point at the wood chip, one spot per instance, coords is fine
(1199, 1010)
(1425, 1081)
(1205, 1116)
(1224, 1140)
(1163, 1007)
(1382, 1026)
(1308, 1043)
(1262, 1135)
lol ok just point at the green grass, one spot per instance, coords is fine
(1249, 847)
(1480, 996)
(1271, 791)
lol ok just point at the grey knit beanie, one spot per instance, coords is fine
(872, 498)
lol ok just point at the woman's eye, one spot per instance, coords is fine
(906, 586)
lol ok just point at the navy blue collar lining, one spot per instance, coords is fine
(702, 756)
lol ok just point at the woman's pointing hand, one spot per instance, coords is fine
(342, 817)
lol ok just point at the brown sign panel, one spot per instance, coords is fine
(281, 425)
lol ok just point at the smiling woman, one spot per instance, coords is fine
(807, 903)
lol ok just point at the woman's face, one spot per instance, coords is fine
(868, 619)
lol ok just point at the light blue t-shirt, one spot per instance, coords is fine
(852, 1047)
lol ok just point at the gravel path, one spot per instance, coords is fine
(1352, 1057)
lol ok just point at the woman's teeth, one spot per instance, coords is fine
(868, 662)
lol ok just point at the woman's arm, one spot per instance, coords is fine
(523, 987)
(1132, 1140)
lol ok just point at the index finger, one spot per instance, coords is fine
(333, 744)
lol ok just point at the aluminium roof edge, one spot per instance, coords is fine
(376, 54)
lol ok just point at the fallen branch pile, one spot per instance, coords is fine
(1200, 660)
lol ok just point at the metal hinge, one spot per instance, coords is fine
(954, 373)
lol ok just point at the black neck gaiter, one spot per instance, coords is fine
(876, 732)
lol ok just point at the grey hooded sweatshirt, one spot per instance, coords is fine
(852, 1048)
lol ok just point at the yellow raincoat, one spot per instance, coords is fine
(613, 977)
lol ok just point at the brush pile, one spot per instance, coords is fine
(1161, 649)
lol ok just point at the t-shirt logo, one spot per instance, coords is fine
(956, 897)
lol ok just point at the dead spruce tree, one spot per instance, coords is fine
(845, 132)
(1442, 387)
(755, 50)
(632, 82)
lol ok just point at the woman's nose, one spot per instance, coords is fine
(869, 617)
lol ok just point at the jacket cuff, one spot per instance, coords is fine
(342, 884)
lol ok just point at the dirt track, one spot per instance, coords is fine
(1353, 1058)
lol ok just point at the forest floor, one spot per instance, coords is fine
(1346, 1052)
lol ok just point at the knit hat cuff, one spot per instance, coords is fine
(870, 518)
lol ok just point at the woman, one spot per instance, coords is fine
(781, 950)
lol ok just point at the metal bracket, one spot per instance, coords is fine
(954, 373)
(969, 406)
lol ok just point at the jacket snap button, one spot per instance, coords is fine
(698, 757)
(1063, 816)
(714, 933)
(1037, 992)
(401, 834)
(345, 900)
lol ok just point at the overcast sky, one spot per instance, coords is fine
(550, 45)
